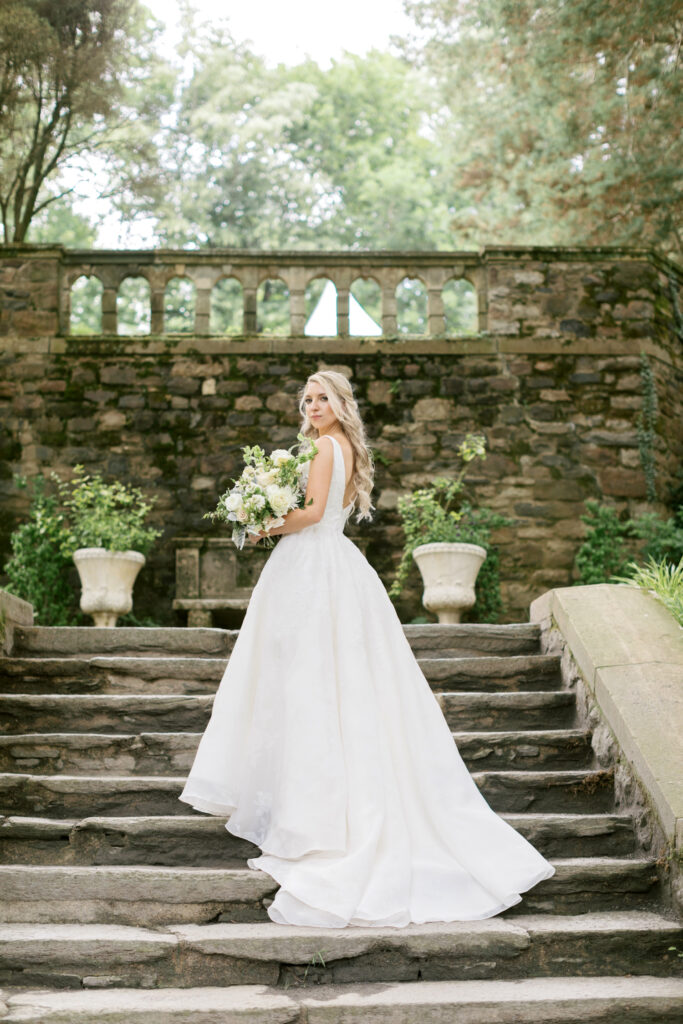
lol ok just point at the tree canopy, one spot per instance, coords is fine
(69, 73)
(501, 121)
(294, 157)
(565, 117)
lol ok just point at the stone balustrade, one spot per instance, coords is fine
(250, 269)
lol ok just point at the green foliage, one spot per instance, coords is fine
(38, 569)
(603, 552)
(69, 92)
(645, 426)
(563, 118)
(101, 515)
(662, 579)
(441, 513)
(663, 538)
(610, 543)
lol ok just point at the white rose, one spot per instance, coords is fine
(280, 498)
(264, 479)
(280, 456)
(241, 516)
(233, 501)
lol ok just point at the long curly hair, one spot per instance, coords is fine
(344, 406)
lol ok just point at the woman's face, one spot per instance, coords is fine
(318, 408)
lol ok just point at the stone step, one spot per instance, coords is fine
(494, 673)
(505, 712)
(427, 639)
(203, 841)
(162, 753)
(581, 791)
(561, 1000)
(149, 895)
(186, 955)
(126, 713)
(179, 674)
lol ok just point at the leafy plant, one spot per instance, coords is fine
(440, 513)
(603, 552)
(663, 580)
(663, 537)
(38, 569)
(101, 515)
(610, 544)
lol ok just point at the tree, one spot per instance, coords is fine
(565, 117)
(69, 76)
(298, 157)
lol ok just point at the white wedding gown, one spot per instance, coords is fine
(327, 749)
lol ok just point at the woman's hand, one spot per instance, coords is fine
(254, 538)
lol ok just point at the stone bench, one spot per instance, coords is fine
(214, 580)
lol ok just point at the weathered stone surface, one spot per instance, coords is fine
(152, 895)
(466, 712)
(533, 1000)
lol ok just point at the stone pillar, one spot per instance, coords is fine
(436, 321)
(297, 311)
(389, 320)
(202, 311)
(342, 312)
(250, 325)
(109, 316)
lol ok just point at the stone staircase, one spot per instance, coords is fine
(119, 906)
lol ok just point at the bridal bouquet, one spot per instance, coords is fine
(269, 487)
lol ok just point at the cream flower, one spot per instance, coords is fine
(233, 501)
(280, 498)
(264, 479)
(280, 456)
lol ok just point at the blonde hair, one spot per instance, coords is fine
(344, 406)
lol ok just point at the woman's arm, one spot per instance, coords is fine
(319, 480)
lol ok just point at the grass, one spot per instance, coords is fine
(661, 579)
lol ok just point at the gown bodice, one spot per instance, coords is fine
(335, 514)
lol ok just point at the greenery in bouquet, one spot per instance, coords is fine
(268, 487)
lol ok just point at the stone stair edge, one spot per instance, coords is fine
(535, 999)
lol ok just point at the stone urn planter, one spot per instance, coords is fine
(107, 579)
(449, 572)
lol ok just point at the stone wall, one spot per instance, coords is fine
(552, 379)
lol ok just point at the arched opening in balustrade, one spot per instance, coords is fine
(227, 307)
(411, 306)
(365, 308)
(272, 307)
(320, 300)
(180, 296)
(133, 306)
(460, 307)
(86, 305)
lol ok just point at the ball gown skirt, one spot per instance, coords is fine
(327, 749)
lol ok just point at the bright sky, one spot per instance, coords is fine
(286, 31)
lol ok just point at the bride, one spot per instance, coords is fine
(326, 746)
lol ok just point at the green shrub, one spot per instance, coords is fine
(101, 515)
(611, 545)
(38, 570)
(603, 553)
